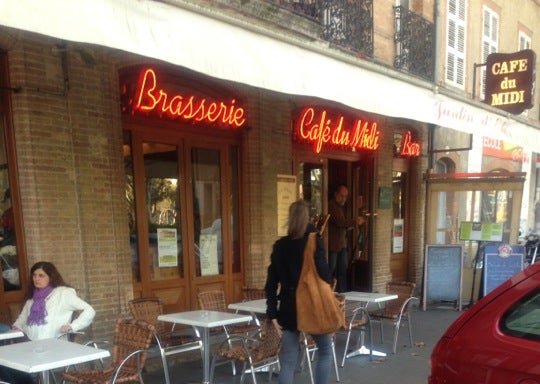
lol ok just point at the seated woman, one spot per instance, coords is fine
(48, 312)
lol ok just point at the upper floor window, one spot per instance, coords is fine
(455, 42)
(490, 40)
(524, 41)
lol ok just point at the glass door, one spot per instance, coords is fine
(175, 190)
(207, 211)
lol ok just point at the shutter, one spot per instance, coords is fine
(455, 45)
(490, 42)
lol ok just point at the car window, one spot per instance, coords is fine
(523, 319)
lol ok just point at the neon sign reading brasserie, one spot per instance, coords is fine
(149, 97)
(318, 128)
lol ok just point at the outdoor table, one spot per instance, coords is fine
(367, 298)
(41, 356)
(204, 320)
(251, 306)
(12, 334)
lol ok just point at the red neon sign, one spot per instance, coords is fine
(409, 147)
(320, 130)
(151, 98)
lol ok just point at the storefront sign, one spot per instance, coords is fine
(320, 129)
(503, 150)
(151, 98)
(510, 80)
(409, 147)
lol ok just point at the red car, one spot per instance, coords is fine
(497, 340)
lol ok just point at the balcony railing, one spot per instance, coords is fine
(347, 24)
(414, 43)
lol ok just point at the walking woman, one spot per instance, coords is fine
(284, 272)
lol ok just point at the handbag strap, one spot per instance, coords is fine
(308, 265)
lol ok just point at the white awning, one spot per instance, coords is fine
(239, 53)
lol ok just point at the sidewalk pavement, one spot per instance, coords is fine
(410, 365)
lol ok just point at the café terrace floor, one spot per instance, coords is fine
(407, 366)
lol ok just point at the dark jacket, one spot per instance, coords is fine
(284, 272)
(337, 227)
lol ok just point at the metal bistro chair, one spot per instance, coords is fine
(397, 311)
(250, 293)
(214, 300)
(310, 349)
(167, 341)
(255, 353)
(132, 338)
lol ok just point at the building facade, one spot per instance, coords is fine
(155, 154)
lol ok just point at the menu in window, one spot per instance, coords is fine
(397, 236)
(481, 231)
(208, 254)
(167, 247)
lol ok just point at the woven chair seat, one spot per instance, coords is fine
(130, 345)
(356, 323)
(166, 339)
(382, 315)
(101, 377)
(253, 352)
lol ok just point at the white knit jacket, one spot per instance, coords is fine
(60, 305)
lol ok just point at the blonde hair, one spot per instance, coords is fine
(298, 219)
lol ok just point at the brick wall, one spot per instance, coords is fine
(68, 140)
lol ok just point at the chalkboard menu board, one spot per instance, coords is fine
(501, 262)
(443, 271)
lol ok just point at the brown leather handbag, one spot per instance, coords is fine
(319, 310)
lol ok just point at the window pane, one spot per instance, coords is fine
(162, 204)
(130, 206)
(207, 211)
(8, 247)
(310, 176)
(524, 319)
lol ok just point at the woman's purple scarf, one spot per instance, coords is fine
(38, 311)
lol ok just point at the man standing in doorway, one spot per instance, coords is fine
(338, 226)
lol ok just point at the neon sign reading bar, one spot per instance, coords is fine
(151, 98)
(409, 147)
(317, 128)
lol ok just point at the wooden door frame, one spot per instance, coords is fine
(184, 143)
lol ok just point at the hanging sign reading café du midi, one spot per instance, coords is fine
(510, 80)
